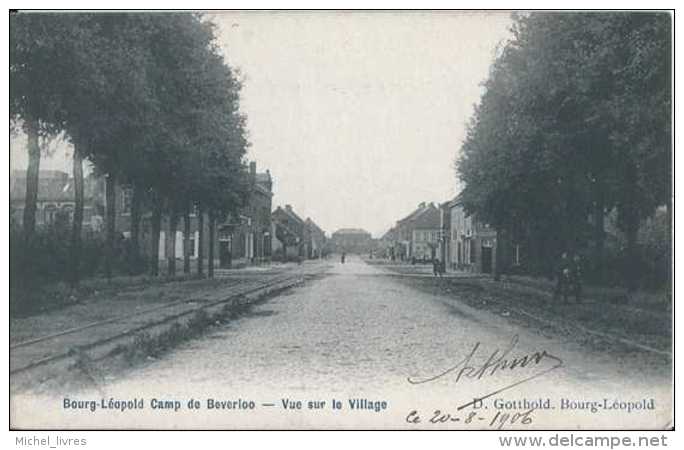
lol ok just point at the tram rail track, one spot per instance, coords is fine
(61, 349)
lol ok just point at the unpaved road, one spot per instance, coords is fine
(359, 334)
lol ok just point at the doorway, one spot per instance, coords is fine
(225, 256)
(487, 259)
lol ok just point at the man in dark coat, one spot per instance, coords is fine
(436, 267)
(563, 277)
(576, 277)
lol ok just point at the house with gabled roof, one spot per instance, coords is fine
(55, 200)
(314, 239)
(288, 228)
(472, 242)
(417, 235)
(247, 238)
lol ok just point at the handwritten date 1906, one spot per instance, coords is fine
(498, 420)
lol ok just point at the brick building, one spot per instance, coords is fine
(471, 242)
(417, 235)
(55, 202)
(352, 240)
(246, 238)
(242, 239)
(289, 230)
(314, 239)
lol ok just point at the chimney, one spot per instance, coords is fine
(288, 207)
(421, 205)
(269, 183)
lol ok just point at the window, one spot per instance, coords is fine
(126, 200)
(68, 213)
(192, 246)
(50, 212)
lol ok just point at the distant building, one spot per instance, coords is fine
(288, 229)
(247, 237)
(417, 235)
(242, 239)
(55, 204)
(314, 239)
(472, 243)
(387, 244)
(352, 240)
(445, 245)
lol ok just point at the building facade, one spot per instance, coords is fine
(387, 243)
(472, 243)
(243, 239)
(55, 203)
(417, 235)
(352, 240)
(246, 238)
(314, 239)
(289, 230)
(445, 245)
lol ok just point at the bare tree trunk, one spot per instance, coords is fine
(498, 248)
(135, 227)
(599, 236)
(32, 177)
(77, 225)
(186, 240)
(212, 241)
(630, 220)
(632, 257)
(200, 239)
(669, 255)
(110, 217)
(156, 234)
(171, 256)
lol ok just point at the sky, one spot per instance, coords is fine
(359, 116)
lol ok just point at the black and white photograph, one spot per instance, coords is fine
(341, 220)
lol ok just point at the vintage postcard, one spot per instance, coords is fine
(318, 220)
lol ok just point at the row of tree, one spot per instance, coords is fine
(148, 100)
(575, 122)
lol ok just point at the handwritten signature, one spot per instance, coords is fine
(498, 362)
(499, 421)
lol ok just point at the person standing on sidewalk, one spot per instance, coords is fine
(562, 278)
(576, 272)
(436, 267)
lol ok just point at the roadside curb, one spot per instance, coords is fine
(113, 350)
(511, 286)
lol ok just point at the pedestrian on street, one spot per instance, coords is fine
(563, 278)
(436, 267)
(343, 257)
(576, 271)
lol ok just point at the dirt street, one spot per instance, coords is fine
(389, 354)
